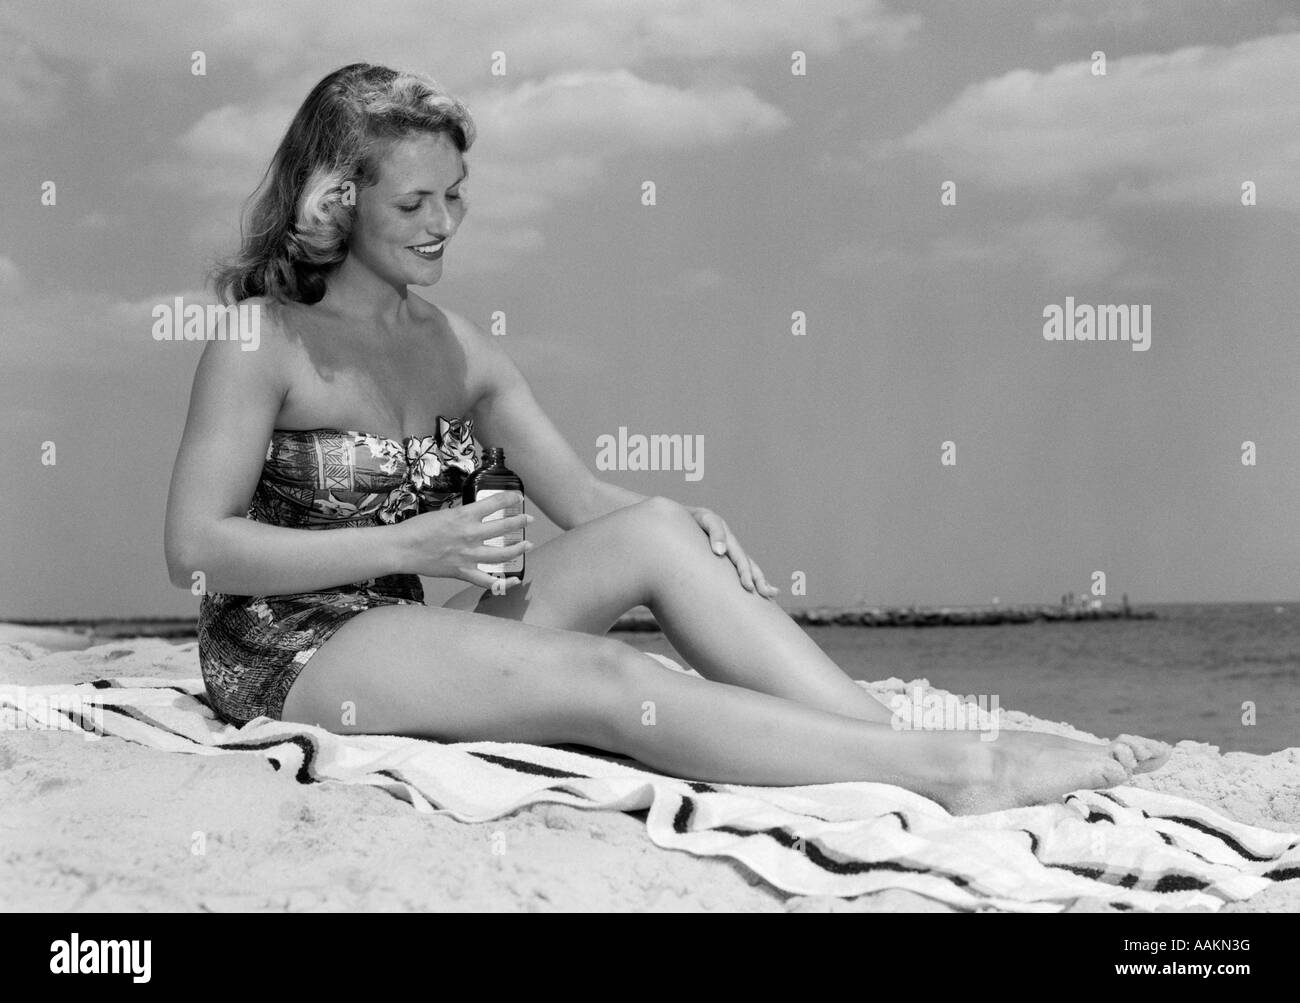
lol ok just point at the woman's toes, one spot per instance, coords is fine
(1124, 754)
(1154, 762)
(1113, 772)
(1151, 755)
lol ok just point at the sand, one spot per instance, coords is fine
(111, 826)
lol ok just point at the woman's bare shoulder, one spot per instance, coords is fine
(471, 337)
(425, 311)
(448, 325)
(263, 357)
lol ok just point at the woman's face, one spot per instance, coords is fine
(416, 202)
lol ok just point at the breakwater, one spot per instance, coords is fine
(183, 628)
(928, 616)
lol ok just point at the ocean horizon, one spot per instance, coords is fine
(1224, 673)
(1198, 671)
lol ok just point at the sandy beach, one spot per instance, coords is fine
(108, 825)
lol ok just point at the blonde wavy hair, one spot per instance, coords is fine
(297, 222)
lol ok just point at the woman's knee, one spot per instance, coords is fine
(634, 685)
(662, 510)
(658, 522)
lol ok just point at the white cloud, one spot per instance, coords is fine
(1187, 127)
(224, 153)
(454, 42)
(616, 110)
(557, 131)
(234, 133)
(551, 139)
(580, 87)
(540, 142)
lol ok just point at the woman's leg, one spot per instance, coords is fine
(455, 676)
(654, 554)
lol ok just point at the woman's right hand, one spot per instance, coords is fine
(449, 543)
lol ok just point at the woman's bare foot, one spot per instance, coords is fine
(1148, 754)
(1021, 768)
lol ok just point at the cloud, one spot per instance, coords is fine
(1187, 127)
(580, 88)
(1114, 16)
(131, 317)
(1057, 246)
(233, 133)
(692, 29)
(539, 143)
(1075, 15)
(557, 130)
(1060, 247)
(454, 42)
(85, 332)
(550, 139)
(31, 91)
(616, 110)
(224, 153)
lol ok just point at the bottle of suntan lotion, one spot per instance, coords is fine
(492, 478)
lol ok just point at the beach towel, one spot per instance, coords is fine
(1129, 847)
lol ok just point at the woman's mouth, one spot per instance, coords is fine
(429, 252)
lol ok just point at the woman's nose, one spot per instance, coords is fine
(441, 221)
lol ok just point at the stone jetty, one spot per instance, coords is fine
(182, 628)
(927, 616)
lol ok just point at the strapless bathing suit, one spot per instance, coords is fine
(252, 648)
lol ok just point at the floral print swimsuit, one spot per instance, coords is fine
(252, 648)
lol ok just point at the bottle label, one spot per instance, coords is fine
(516, 564)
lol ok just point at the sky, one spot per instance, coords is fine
(816, 194)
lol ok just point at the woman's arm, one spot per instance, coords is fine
(507, 414)
(233, 406)
(603, 497)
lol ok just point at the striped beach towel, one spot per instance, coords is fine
(1132, 848)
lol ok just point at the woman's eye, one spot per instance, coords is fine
(454, 195)
(409, 208)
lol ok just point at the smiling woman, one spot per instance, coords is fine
(357, 413)
(299, 229)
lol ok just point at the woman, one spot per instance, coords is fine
(360, 413)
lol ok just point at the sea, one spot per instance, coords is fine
(1227, 673)
(1224, 673)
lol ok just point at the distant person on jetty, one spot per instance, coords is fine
(360, 415)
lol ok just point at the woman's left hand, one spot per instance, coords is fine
(723, 542)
